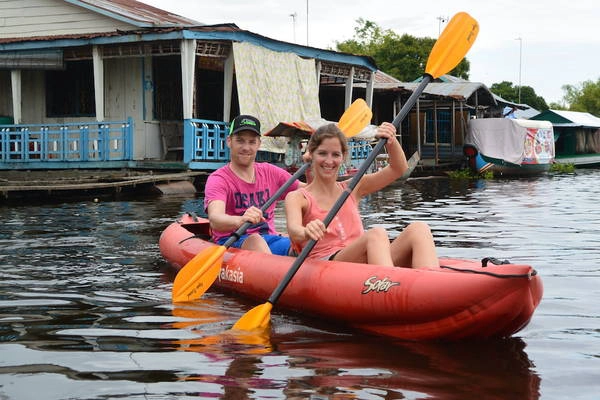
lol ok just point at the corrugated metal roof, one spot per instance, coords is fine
(138, 13)
(226, 32)
(456, 90)
(526, 114)
(507, 103)
(383, 78)
(570, 119)
(141, 31)
(580, 118)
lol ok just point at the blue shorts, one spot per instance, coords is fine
(278, 244)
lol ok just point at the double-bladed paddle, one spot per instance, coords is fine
(201, 271)
(450, 48)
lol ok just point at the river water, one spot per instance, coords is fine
(86, 313)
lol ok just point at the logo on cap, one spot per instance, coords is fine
(244, 123)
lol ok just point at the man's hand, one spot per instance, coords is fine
(253, 215)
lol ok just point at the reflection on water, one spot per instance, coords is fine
(85, 306)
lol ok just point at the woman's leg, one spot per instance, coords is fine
(373, 247)
(414, 247)
(255, 242)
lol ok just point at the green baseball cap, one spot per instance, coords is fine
(244, 123)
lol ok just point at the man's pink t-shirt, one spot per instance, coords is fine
(239, 195)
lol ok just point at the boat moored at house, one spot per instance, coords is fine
(509, 147)
(577, 136)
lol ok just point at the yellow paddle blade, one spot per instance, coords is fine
(452, 45)
(257, 318)
(355, 118)
(198, 274)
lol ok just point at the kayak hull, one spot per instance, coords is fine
(459, 300)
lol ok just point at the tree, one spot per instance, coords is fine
(507, 91)
(584, 97)
(403, 57)
(558, 106)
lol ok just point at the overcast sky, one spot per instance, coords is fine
(560, 41)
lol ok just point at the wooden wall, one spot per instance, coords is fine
(27, 18)
(460, 128)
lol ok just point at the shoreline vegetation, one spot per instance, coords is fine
(467, 173)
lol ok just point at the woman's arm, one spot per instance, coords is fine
(396, 167)
(294, 202)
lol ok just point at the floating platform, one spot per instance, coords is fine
(94, 184)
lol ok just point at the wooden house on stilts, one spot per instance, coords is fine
(121, 84)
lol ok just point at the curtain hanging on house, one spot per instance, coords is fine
(275, 87)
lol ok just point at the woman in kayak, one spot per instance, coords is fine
(345, 239)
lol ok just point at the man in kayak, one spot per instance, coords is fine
(344, 239)
(235, 192)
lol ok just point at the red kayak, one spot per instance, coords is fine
(460, 299)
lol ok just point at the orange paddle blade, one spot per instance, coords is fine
(355, 118)
(257, 318)
(452, 45)
(198, 274)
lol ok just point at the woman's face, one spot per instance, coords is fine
(327, 158)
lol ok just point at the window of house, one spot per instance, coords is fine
(70, 92)
(444, 126)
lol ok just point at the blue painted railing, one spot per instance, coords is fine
(205, 141)
(205, 146)
(109, 144)
(66, 142)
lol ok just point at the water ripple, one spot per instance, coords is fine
(86, 312)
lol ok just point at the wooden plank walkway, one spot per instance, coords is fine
(19, 184)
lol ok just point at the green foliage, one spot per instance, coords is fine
(507, 91)
(558, 106)
(468, 173)
(403, 57)
(486, 175)
(584, 97)
(567, 168)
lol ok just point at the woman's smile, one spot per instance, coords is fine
(328, 156)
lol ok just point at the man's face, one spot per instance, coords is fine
(243, 146)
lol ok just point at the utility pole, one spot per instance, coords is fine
(307, 22)
(294, 15)
(440, 21)
(520, 39)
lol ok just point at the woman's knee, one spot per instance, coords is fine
(419, 228)
(377, 233)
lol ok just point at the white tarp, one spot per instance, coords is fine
(274, 87)
(512, 140)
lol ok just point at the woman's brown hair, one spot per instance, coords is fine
(328, 131)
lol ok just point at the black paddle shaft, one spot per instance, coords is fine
(340, 201)
(242, 229)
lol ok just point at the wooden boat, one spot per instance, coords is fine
(507, 146)
(461, 299)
